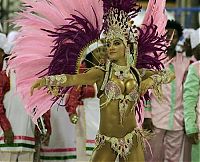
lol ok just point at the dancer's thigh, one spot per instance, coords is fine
(136, 153)
(103, 154)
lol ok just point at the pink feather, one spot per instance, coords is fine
(156, 9)
(33, 45)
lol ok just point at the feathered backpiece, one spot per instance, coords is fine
(70, 42)
(128, 6)
(52, 35)
(152, 42)
(151, 47)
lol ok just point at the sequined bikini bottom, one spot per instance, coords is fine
(122, 146)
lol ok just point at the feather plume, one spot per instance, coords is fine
(128, 6)
(44, 26)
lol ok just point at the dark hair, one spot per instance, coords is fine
(172, 24)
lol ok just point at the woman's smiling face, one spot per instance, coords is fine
(116, 49)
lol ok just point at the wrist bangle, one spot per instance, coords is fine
(166, 76)
(157, 79)
(61, 79)
(55, 80)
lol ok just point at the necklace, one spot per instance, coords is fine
(121, 71)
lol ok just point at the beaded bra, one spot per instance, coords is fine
(113, 92)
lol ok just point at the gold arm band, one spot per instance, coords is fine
(163, 77)
(167, 76)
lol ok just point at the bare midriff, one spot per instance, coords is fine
(110, 120)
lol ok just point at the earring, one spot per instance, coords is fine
(128, 56)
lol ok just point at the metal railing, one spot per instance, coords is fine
(189, 17)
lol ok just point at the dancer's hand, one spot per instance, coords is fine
(38, 84)
(172, 76)
(145, 85)
(45, 139)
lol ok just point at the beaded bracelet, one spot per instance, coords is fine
(55, 80)
(157, 79)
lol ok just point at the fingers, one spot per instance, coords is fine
(45, 139)
(144, 89)
(32, 89)
(37, 84)
(50, 90)
(145, 85)
(8, 136)
(9, 140)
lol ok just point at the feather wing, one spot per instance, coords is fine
(44, 39)
(152, 43)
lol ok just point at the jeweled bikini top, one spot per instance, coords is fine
(113, 91)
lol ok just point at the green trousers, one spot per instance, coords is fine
(196, 152)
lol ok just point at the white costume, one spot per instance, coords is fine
(22, 127)
(62, 144)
